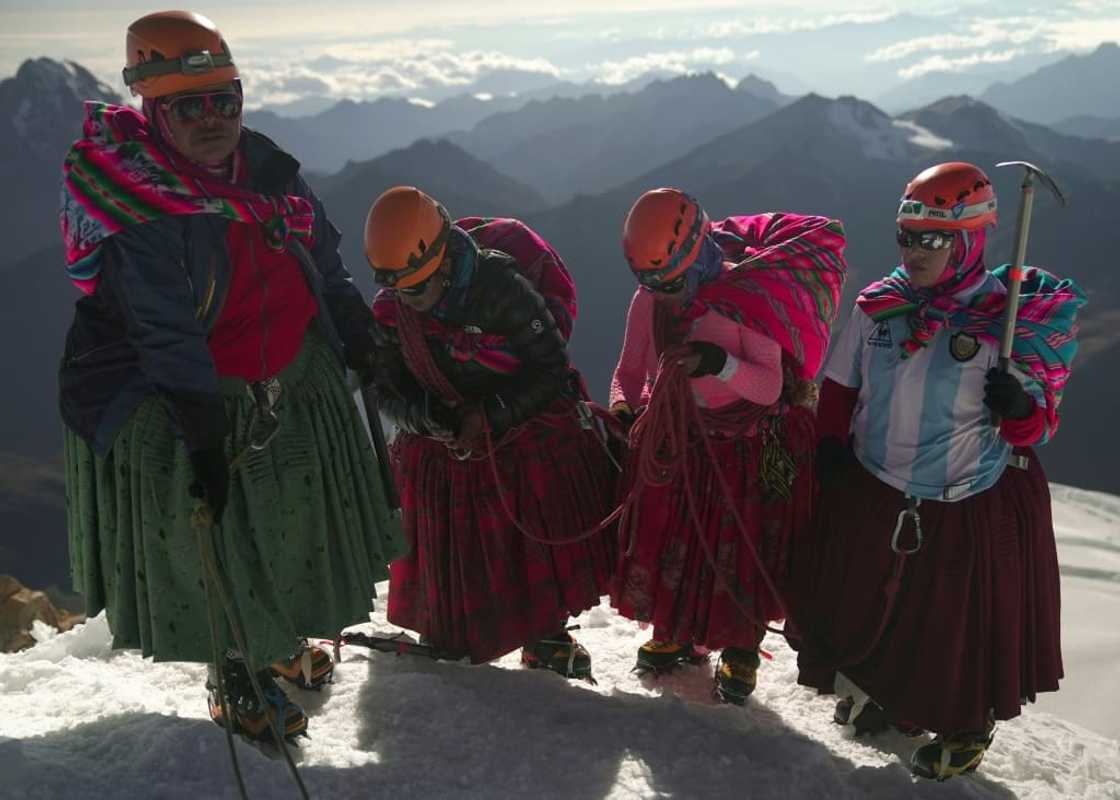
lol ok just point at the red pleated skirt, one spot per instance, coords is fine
(472, 583)
(692, 575)
(975, 621)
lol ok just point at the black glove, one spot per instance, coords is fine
(1005, 396)
(712, 358)
(831, 458)
(211, 479)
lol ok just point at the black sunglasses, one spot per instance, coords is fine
(189, 108)
(927, 240)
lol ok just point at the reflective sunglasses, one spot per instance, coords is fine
(927, 240)
(190, 108)
(649, 282)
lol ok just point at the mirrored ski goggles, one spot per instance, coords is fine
(927, 240)
(190, 108)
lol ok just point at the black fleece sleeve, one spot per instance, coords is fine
(518, 312)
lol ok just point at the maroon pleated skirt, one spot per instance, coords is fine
(692, 575)
(974, 624)
(472, 583)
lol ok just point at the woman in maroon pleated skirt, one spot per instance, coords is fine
(928, 594)
(503, 481)
(723, 337)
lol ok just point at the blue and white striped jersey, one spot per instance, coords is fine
(920, 424)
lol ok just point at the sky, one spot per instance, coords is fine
(290, 51)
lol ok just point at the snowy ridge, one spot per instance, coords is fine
(923, 137)
(879, 136)
(79, 720)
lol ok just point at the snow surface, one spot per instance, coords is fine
(78, 720)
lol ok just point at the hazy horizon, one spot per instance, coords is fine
(294, 52)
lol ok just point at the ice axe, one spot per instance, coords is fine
(1022, 228)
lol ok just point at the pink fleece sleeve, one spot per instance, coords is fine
(755, 372)
(753, 369)
(631, 375)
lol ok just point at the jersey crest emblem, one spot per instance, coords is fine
(964, 346)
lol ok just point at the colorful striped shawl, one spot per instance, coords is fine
(490, 350)
(785, 281)
(117, 175)
(1045, 328)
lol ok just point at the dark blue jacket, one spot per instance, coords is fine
(143, 331)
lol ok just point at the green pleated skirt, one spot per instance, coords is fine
(304, 537)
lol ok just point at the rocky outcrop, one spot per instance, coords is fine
(20, 607)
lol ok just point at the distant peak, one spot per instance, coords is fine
(690, 81)
(756, 85)
(45, 75)
(957, 103)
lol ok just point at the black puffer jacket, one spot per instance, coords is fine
(492, 298)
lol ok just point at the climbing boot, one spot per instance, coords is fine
(561, 654)
(246, 715)
(948, 756)
(310, 667)
(736, 675)
(660, 657)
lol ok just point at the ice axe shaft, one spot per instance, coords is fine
(1022, 230)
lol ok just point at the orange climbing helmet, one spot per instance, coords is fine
(405, 236)
(175, 51)
(663, 234)
(954, 196)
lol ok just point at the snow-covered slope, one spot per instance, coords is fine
(79, 721)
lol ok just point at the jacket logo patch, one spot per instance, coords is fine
(964, 346)
(881, 336)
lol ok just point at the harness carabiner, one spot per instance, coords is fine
(911, 511)
(265, 423)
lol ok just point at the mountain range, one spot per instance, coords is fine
(589, 144)
(753, 150)
(358, 131)
(1077, 84)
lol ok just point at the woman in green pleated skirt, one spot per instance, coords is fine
(304, 537)
(216, 312)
